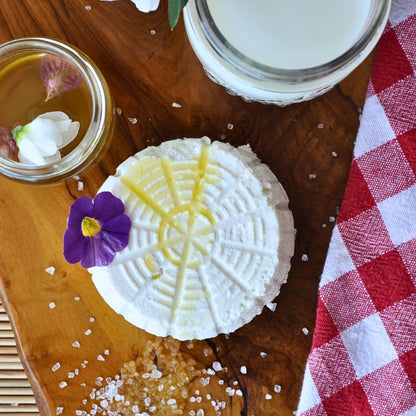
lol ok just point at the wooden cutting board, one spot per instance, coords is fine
(148, 68)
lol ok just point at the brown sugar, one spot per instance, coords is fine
(156, 383)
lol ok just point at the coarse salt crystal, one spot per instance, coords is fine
(106, 352)
(305, 331)
(147, 401)
(230, 126)
(153, 32)
(133, 120)
(80, 186)
(171, 401)
(243, 369)
(135, 408)
(334, 154)
(272, 306)
(324, 226)
(100, 358)
(331, 219)
(76, 344)
(118, 111)
(85, 401)
(305, 257)
(88, 332)
(217, 366)
(176, 105)
(88, 8)
(200, 412)
(320, 126)
(104, 403)
(92, 319)
(59, 410)
(263, 354)
(220, 381)
(277, 388)
(312, 176)
(210, 371)
(50, 270)
(52, 305)
(56, 367)
(78, 412)
(63, 384)
(77, 298)
(230, 391)
(235, 383)
(268, 396)
(71, 374)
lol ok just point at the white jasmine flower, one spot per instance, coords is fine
(39, 142)
(146, 6)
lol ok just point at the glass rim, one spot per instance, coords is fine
(374, 26)
(92, 142)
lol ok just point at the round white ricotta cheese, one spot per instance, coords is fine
(211, 239)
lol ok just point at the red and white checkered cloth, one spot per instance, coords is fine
(363, 356)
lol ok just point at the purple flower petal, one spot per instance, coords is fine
(97, 253)
(81, 208)
(74, 246)
(97, 250)
(107, 206)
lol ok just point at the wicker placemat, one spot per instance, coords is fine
(16, 395)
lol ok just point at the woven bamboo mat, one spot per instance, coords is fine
(16, 395)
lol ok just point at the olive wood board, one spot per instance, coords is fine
(148, 68)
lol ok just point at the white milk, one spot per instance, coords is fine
(290, 34)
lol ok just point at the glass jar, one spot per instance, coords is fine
(97, 134)
(214, 40)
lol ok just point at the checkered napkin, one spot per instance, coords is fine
(363, 356)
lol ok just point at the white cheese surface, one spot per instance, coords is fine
(210, 244)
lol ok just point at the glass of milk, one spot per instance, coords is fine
(283, 51)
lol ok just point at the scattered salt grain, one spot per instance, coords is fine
(312, 176)
(77, 298)
(76, 371)
(52, 305)
(100, 358)
(88, 8)
(204, 381)
(106, 352)
(200, 412)
(331, 219)
(243, 369)
(104, 403)
(305, 257)
(56, 367)
(217, 366)
(171, 401)
(133, 120)
(334, 154)
(277, 388)
(50, 270)
(71, 374)
(272, 306)
(92, 319)
(230, 126)
(147, 401)
(153, 32)
(176, 105)
(235, 383)
(59, 410)
(80, 186)
(76, 344)
(63, 384)
(88, 332)
(85, 401)
(263, 354)
(320, 126)
(323, 225)
(239, 392)
(220, 381)
(305, 331)
(118, 111)
(268, 396)
(78, 412)
(230, 391)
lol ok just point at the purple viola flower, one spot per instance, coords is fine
(97, 229)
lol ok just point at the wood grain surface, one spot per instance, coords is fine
(148, 67)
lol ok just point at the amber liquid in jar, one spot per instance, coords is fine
(23, 95)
